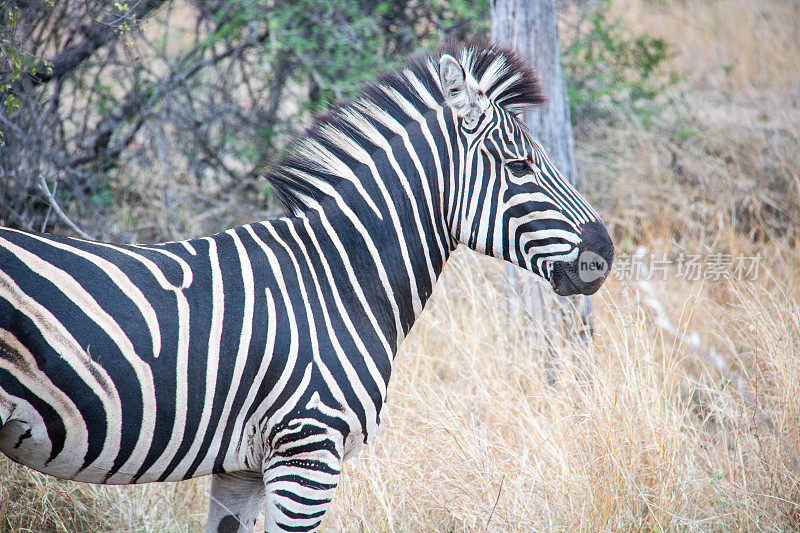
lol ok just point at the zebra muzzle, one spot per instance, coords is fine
(590, 269)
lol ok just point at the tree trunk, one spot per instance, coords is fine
(530, 28)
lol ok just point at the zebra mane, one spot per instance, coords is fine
(322, 159)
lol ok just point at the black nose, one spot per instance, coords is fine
(588, 272)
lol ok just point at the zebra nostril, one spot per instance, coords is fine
(596, 240)
(595, 257)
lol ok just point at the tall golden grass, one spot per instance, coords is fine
(637, 432)
(486, 431)
(739, 47)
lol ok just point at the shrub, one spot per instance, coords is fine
(607, 68)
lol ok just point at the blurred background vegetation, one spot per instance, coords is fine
(197, 93)
(150, 120)
(193, 97)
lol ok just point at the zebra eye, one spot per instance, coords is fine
(519, 166)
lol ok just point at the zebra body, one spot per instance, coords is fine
(262, 354)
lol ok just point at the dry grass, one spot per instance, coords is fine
(32, 502)
(639, 431)
(740, 47)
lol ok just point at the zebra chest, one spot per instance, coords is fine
(316, 412)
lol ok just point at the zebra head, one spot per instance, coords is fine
(513, 203)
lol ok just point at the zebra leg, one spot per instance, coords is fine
(301, 482)
(236, 500)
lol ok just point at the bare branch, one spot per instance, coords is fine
(97, 35)
(51, 200)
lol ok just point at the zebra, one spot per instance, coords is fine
(261, 355)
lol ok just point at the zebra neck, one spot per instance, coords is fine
(388, 236)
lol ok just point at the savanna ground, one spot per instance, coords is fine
(642, 429)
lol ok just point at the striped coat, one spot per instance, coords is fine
(261, 355)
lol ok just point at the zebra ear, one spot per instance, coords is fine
(461, 92)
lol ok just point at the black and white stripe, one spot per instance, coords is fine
(262, 354)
